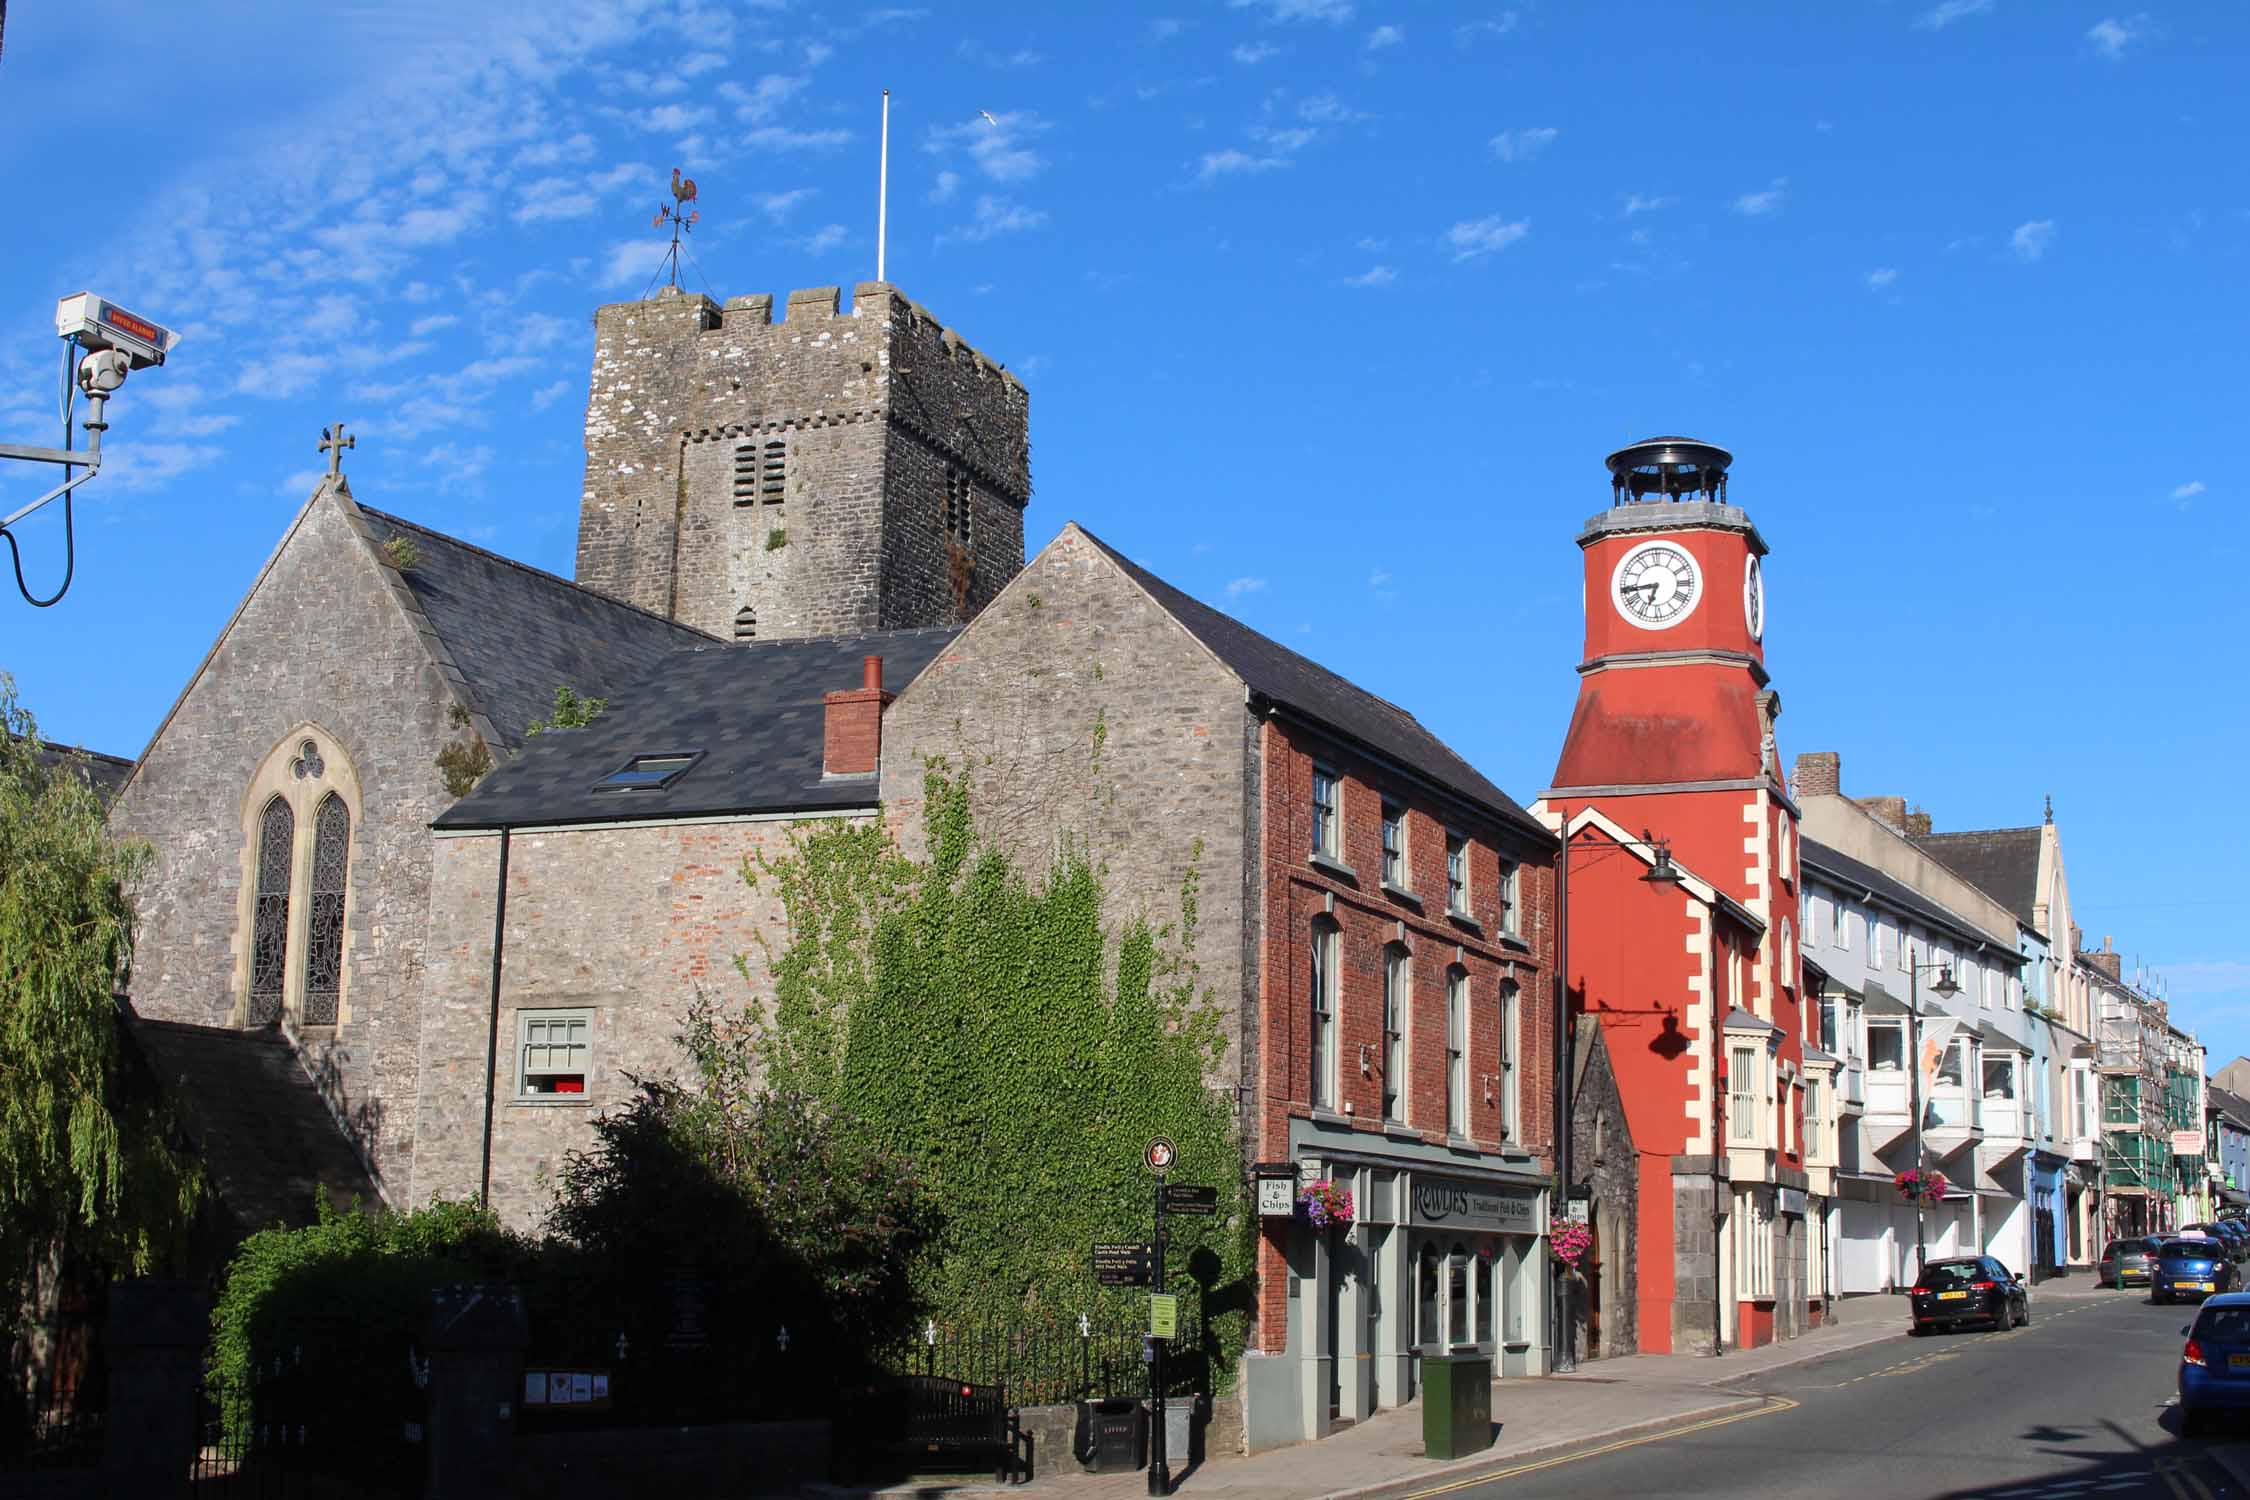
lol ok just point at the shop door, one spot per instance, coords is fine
(1334, 1324)
(1591, 1263)
(1371, 1331)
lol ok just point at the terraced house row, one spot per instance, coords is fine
(1704, 1009)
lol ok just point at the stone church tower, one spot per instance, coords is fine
(832, 472)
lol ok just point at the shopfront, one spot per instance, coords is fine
(1441, 1259)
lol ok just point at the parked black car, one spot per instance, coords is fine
(2129, 1262)
(2231, 1231)
(1970, 1289)
(2192, 1266)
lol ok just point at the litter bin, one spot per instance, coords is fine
(1112, 1435)
(1456, 1404)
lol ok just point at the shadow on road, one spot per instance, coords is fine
(2109, 1460)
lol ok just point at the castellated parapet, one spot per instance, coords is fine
(833, 471)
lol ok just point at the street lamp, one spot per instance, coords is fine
(1944, 989)
(1661, 872)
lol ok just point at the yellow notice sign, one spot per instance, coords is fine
(1163, 1315)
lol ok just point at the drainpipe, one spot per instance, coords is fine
(1566, 1337)
(492, 1033)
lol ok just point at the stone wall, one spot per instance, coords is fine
(1080, 708)
(1603, 1156)
(1695, 1257)
(630, 922)
(882, 413)
(321, 642)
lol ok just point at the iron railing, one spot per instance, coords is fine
(1050, 1364)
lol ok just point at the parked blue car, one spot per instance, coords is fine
(2195, 1267)
(2215, 1365)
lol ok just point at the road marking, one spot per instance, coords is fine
(2180, 1478)
(1773, 1404)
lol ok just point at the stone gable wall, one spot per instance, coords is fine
(1602, 1156)
(877, 405)
(320, 641)
(631, 922)
(1081, 708)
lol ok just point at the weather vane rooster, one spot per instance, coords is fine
(681, 217)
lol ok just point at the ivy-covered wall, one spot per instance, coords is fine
(962, 1010)
(1077, 704)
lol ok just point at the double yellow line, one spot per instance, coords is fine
(1773, 1404)
(2180, 1478)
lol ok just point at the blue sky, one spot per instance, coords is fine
(1329, 310)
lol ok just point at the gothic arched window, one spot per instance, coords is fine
(269, 922)
(297, 852)
(324, 936)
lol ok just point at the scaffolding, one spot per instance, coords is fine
(2138, 1059)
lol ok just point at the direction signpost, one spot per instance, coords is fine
(1134, 1264)
(1160, 1156)
(1124, 1265)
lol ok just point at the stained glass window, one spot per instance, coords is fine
(269, 926)
(324, 942)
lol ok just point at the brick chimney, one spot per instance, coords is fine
(1819, 773)
(852, 743)
(1889, 811)
(2108, 960)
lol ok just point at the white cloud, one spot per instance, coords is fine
(1240, 586)
(553, 198)
(282, 376)
(992, 57)
(133, 466)
(696, 64)
(1231, 162)
(463, 467)
(823, 239)
(2189, 490)
(2207, 977)
(1285, 142)
(1759, 204)
(994, 216)
(756, 104)
(1473, 239)
(1940, 16)
(671, 118)
(947, 184)
(1643, 203)
(1163, 29)
(1477, 31)
(1373, 276)
(548, 395)
(302, 483)
(1880, 278)
(530, 331)
(424, 327)
(1523, 145)
(1378, 579)
(2111, 36)
(783, 138)
(553, 153)
(1385, 36)
(629, 262)
(777, 206)
(1327, 109)
(2032, 240)
(1334, 12)
(1250, 54)
(998, 145)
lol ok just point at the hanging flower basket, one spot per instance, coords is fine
(1324, 1205)
(1915, 1182)
(1569, 1241)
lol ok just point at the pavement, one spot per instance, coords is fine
(1609, 1402)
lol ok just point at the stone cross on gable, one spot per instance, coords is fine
(333, 443)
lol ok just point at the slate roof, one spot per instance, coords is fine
(2001, 862)
(1842, 870)
(518, 633)
(1739, 1019)
(105, 773)
(754, 710)
(1994, 1037)
(260, 1128)
(1273, 671)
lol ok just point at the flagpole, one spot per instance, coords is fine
(883, 190)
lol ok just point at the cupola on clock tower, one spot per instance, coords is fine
(1679, 863)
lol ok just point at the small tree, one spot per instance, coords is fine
(571, 712)
(87, 1160)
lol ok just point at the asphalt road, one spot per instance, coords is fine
(2077, 1404)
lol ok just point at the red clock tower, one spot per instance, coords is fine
(1680, 862)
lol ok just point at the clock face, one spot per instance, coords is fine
(1754, 600)
(1656, 585)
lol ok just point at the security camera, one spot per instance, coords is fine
(100, 324)
(102, 371)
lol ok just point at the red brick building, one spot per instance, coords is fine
(1670, 771)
